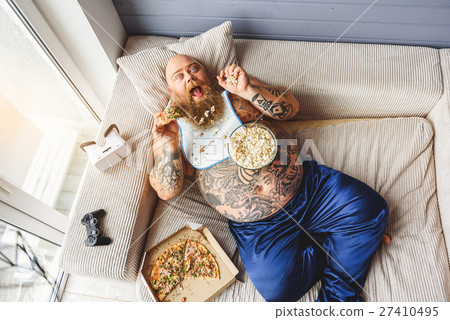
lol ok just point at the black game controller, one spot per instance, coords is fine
(94, 235)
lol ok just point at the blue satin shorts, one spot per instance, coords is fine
(329, 231)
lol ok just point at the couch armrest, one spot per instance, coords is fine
(440, 117)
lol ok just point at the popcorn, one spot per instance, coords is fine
(252, 147)
(231, 80)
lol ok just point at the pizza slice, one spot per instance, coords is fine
(199, 262)
(167, 270)
(174, 112)
(183, 260)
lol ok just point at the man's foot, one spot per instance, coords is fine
(386, 239)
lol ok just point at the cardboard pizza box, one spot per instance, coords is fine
(197, 290)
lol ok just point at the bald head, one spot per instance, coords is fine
(176, 62)
(181, 72)
(192, 88)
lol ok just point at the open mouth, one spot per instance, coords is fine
(196, 92)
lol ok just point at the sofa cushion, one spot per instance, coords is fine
(393, 156)
(146, 69)
(347, 80)
(123, 191)
(440, 117)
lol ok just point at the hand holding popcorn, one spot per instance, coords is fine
(234, 79)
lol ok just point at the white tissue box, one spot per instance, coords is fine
(115, 149)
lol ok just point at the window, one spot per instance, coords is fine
(42, 123)
(28, 266)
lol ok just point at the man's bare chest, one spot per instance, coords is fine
(249, 195)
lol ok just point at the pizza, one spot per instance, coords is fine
(165, 274)
(174, 112)
(199, 262)
(184, 260)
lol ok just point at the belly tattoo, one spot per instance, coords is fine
(248, 195)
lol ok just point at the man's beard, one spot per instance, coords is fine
(206, 111)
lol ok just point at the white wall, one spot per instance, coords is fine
(84, 37)
(26, 78)
(108, 28)
(19, 140)
(75, 32)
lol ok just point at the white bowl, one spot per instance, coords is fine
(251, 125)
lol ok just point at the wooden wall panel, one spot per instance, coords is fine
(410, 22)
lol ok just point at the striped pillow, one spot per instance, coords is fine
(146, 69)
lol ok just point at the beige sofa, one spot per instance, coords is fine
(397, 140)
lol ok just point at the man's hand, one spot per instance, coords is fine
(242, 85)
(275, 102)
(164, 126)
(164, 130)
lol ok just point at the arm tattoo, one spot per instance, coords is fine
(244, 110)
(238, 194)
(274, 91)
(167, 172)
(278, 110)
